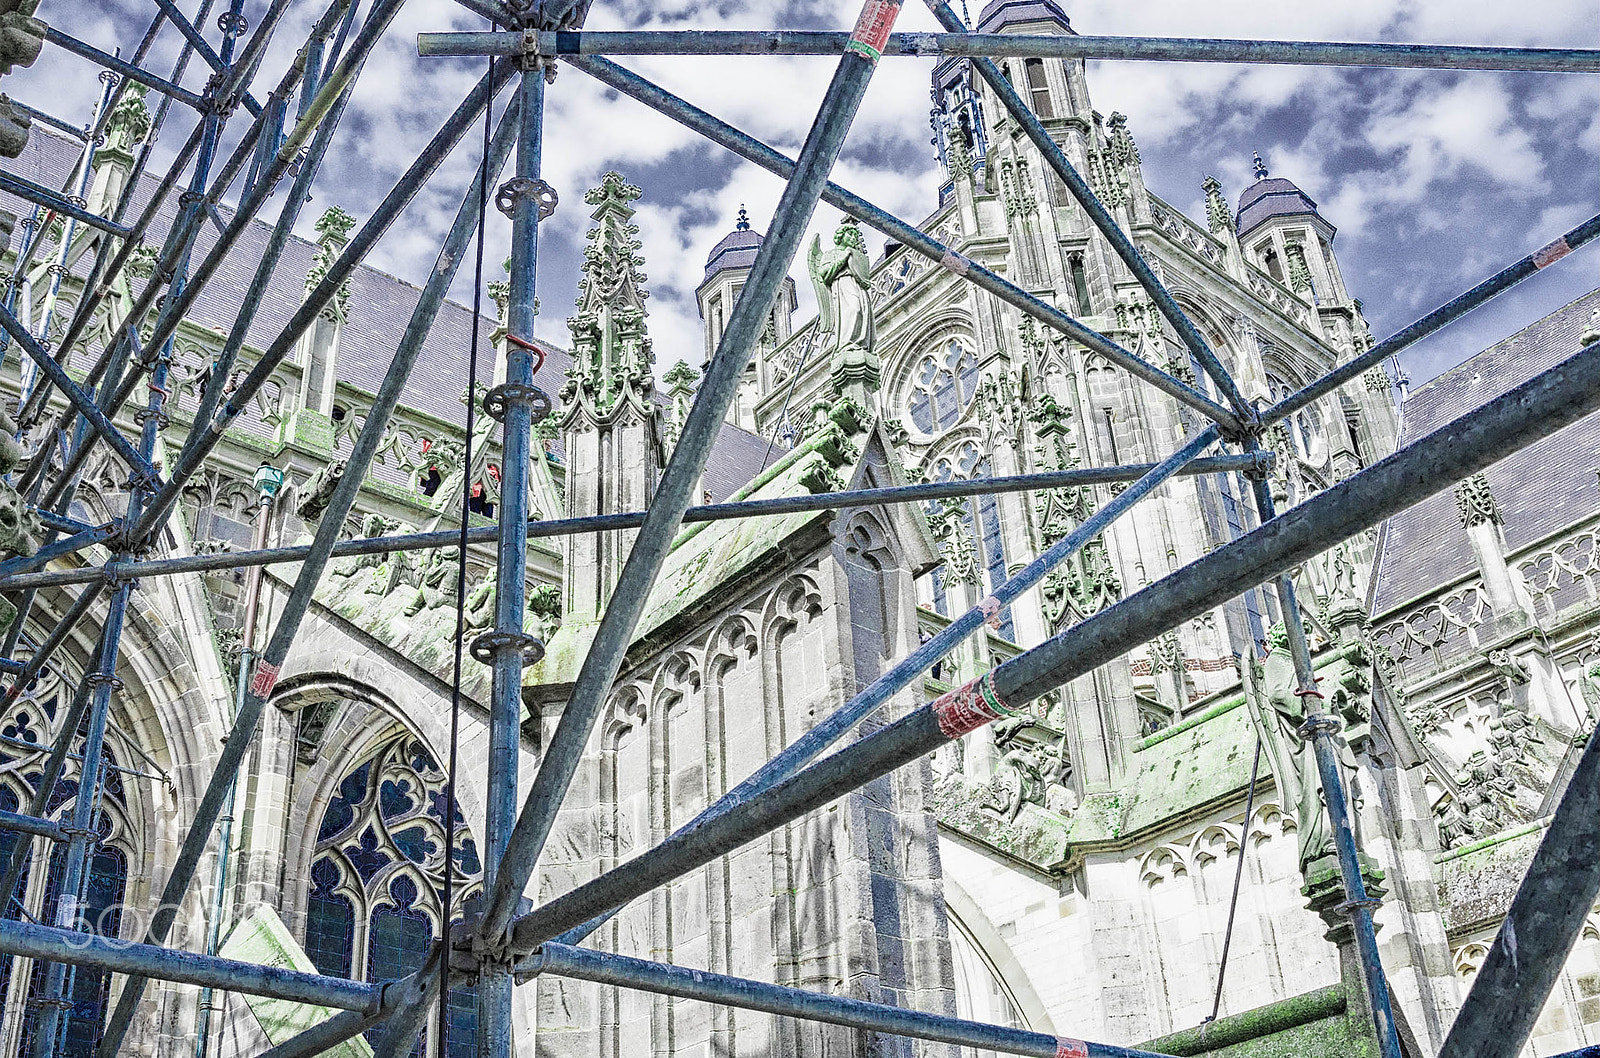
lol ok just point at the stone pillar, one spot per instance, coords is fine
(1481, 518)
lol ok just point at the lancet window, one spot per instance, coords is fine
(945, 381)
(34, 720)
(377, 876)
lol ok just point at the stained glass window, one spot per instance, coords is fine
(378, 874)
(941, 390)
(34, 720)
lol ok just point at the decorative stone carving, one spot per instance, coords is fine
(317, 492)
(1475, 503)
(948, 521)
(334, 228)
(437, 585)
(611, 350)
(21, 39)
(1219, 217)
(129, 121)
(1281, 713)
(842, 277)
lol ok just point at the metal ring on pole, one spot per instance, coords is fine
(487, 646)
(1318, 725)
(510, 192)
(498, 400)
(98, 677)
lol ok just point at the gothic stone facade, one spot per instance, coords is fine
(1069, 870)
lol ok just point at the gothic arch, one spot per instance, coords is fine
(967, 916)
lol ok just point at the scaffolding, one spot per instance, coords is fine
(288, 134)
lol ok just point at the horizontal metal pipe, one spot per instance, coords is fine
(380, 545)
(126, 69)
(35, 747)
(1007, 45)
(1447, 313)
(720, 132)
(10, 665)
(45, 555)
(44, 828)
(622, 971)
(48, 943)
(33, 192)
(35, 114)
(1533, 410)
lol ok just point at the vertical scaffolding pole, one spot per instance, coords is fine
(509, 641)
(298, 601)
(678, 482)
(1322, 730)
(83, 833)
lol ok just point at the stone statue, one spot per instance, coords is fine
(841, 277)
(372, 525)
(480, 602)
(1294, 760)
(21, 39)
(438, 582)
(19, 523)
(317, 492)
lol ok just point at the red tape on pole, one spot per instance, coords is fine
(969, 707)
(1066, 1048)
(872, 28)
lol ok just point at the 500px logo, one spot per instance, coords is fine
(122, 926)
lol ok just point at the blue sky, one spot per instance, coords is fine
(1434, 179)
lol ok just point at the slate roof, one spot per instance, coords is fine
(380, 306)
(997, 14)
(1548, 485)
(1272, 197)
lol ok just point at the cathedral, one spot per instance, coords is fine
(1139, 858)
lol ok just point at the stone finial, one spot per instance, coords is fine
(129, 122)
(1475, 503)
(1218, 216)
(743, 223)
(1123, 150)
(680, 377)
(1259, 166)
(611, 351)
(333, 227)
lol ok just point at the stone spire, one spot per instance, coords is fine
(129, 122)
(611, 354)
(333, 227)
(1218, 216)
(611, 427)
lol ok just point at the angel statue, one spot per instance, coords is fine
(841, 277)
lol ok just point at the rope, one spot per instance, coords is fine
(461, 592)
(1238, 876)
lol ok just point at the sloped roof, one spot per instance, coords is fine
(737, 249)
(1270, 197)
(380, 307)
(998, 14)
(1548, 485)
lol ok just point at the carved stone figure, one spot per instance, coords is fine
(19, 524)
(1294, 760)
(438, 582)
(317, 492)
(842, 278)
(21, 39)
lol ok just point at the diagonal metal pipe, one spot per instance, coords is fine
(720, 132)
(1101, 217)
(678, 482)
(298, 601)
(127, 69)
(622, 971)
(803, 750)
(1439, 318)
(41, 655)
(39, 803)
(207, 437)
(1458, 449)
(1321, 730)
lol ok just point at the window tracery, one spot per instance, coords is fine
(943, 384)
(377, 873)
(34, 721)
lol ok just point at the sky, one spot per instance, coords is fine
(1434, 179)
